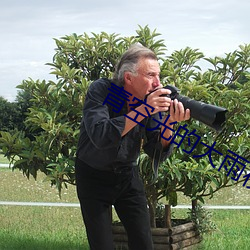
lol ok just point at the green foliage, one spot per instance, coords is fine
(48, 141)
(202, 218)
(146, 37)
(92, 57)
(227, 86)
(10, 115)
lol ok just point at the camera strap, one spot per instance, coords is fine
(156, 157)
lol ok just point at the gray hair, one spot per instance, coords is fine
(129, 61)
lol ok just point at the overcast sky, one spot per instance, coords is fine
(27, 29)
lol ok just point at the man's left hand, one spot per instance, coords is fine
(177, 112)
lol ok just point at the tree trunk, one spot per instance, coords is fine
(194, 205)
(152, 206)
(168, 216)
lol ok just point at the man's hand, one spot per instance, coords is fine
(164, 104)
(158, 102)
(177, 112)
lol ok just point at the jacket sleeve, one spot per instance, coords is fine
(152, 140)
(103, 131)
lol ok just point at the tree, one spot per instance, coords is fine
(13, 114)
(56, 108)
(23, 103)
(10, 115)
(225, 84)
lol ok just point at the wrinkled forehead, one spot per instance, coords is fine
(147, 65)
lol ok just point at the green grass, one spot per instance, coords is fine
(17, 187)
(54, 228)
(35, 228)
(233, 231)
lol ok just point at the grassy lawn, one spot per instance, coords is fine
(233, 231)
(55, 228)
(35, 228)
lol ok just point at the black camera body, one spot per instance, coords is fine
(208, 114)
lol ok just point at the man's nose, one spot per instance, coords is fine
(157, 82)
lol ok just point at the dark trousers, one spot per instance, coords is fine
(98, 191)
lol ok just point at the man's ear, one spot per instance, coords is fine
(128, 78)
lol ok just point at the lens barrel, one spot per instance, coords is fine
(208, 114)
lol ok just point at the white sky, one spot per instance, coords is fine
(27, 29)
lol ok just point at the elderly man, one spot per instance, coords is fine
(112, 130)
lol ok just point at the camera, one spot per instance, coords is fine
(211, 115)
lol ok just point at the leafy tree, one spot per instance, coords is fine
(13, 114)
(56, 108)
(225, 84)
(10, 115)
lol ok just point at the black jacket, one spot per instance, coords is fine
(101, 145)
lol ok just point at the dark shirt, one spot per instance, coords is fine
(101, 145)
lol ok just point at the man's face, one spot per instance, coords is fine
(147, 78)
